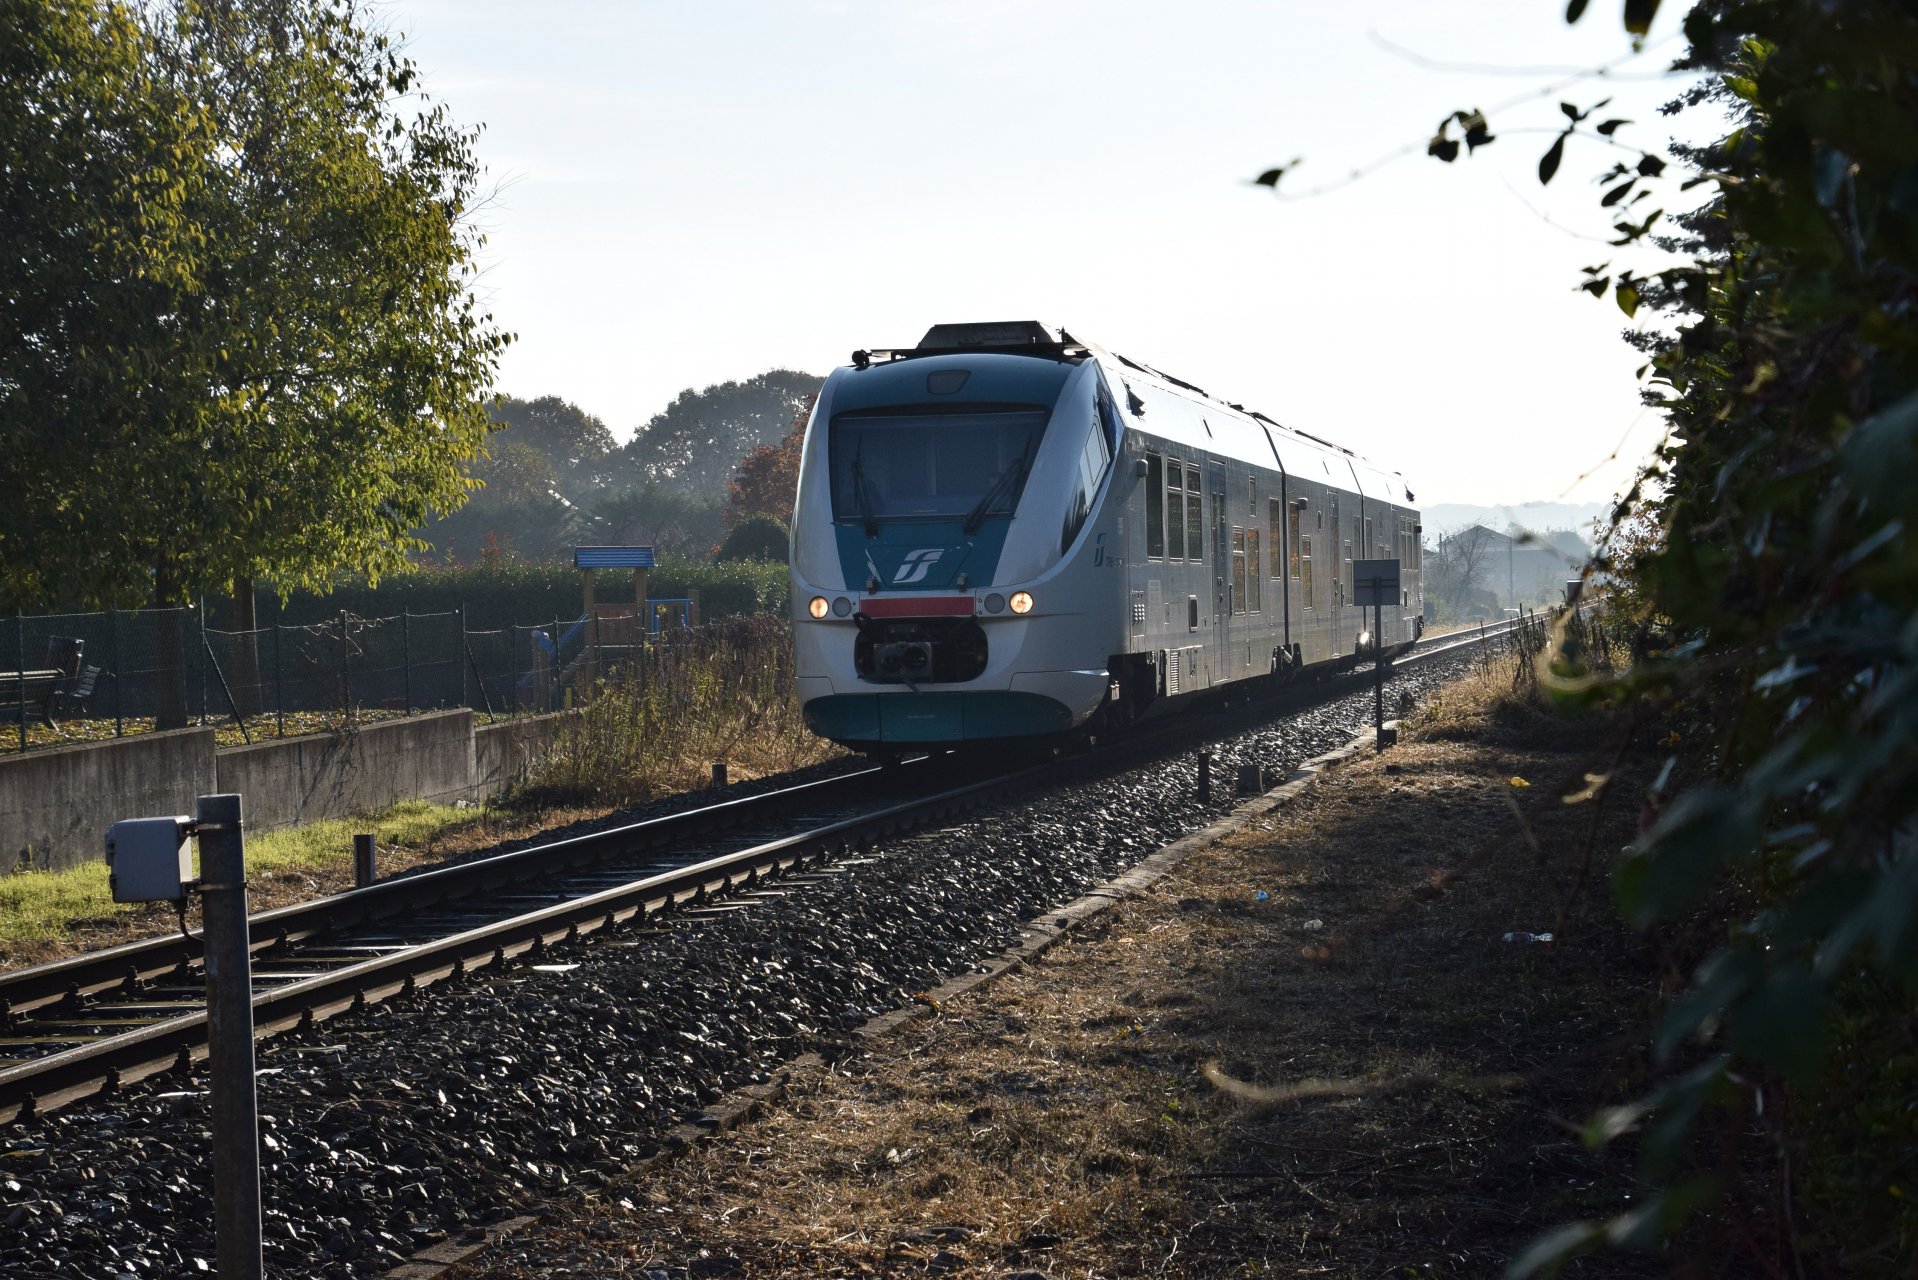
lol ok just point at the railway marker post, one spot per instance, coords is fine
(151, 860)
(1374, 581)
(229, 1008)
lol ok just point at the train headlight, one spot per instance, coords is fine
(841, 606)
(1022, 602)
(995, 603)
(817, 606)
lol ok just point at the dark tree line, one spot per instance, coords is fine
(555, 475)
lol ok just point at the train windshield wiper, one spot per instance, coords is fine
(1001, 485)
(861, 496)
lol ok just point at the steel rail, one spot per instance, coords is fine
(102, 1066)
(23, 991)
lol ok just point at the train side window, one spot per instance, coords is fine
(1239, 587)
(1194, 518)
(1095, 455)
(1368, 544)
(1292, 527)
(1174, 509)
(1305, 567)
(1252, 575)
(1154, 507)
(1252, 495)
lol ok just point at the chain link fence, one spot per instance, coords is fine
(77, 677)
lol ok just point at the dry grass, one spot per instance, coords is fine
(657, 724)
(1351, 1076)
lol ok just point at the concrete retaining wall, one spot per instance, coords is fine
(56, 805)
(503, 753)
(287, 781)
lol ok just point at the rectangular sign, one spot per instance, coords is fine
(612, 557)
(1375, 582)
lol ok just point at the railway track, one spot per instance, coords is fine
(92, 1024)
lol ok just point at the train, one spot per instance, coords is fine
(1006, 533)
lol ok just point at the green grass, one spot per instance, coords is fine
(39, 906)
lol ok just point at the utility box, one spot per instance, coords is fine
(150, 859)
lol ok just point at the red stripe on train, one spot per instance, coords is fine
(917, 606)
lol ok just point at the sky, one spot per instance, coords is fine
(685, 194)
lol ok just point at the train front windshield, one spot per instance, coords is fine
(932, 466)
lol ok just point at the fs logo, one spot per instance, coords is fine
(913, 568)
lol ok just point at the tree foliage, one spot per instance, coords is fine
(578, 446)
(696, 442)
(767, 482)
(247, 344)
(1769, 560)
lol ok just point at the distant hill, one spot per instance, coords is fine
(1539, 517)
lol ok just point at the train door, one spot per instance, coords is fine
(1222, 602)
(1337, 619)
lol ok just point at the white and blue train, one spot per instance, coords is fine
(1005, 532)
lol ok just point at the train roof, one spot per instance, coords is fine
(1161, 405)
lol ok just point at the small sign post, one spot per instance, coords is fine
(151, 860)
(1374, 582)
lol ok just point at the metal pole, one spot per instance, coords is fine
(229, 1004)
(365, 872)
(406, 655)
(346, 682)
(279, 685)
(20, 665)
(1378, 670)
(461, 654)
(119, 681)
(203, 649)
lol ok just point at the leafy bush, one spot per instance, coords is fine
(756, 538)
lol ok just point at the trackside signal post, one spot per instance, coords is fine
(151, 860)
(1373, 582)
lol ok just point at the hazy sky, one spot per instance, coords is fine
(691, 193)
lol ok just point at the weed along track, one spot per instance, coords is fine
(535, 1022)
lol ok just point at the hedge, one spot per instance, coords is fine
(526, 594)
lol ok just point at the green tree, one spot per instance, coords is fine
(696, 442)
(576, 444)
(517, 509)
(295, 384)
(105, 164)
(659, 515)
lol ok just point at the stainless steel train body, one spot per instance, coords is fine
(1005, 532)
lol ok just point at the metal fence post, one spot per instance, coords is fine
(279, 686)
(20, 665)
(203, 650)
(459, 657)
(346, 679)
(229, 1005)
(119, 681)
(406, 656)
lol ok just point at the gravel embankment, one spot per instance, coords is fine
(389, 1132)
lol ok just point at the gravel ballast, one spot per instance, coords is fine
(425, 1118)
